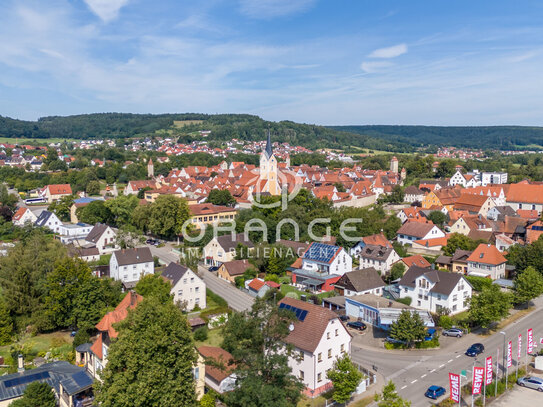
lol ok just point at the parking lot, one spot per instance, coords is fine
(520, 397)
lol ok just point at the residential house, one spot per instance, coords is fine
(415, 260)
(467, 224)
(525, 196)
(488, 178)
(231, 269)
(413, 194)
(85, 253)
(533, 231)
(475, 204)
(73, 233)
(219, 374)
(23, 216)
(133, 187)
(412, 231)
(48, 219)
(435, 290)
(223, 248)
(380, 257)
(129, 265)
(446, 197)
(102, 237)
(54, 192)
(188, 290)
(319, 339)
(381, 312)
(499, 212)
(258, 287)
(487, 261)
(412, 213)
(360, 281)
(457, 263)
(431, 246)
(80, 203)
(378, 239)
(503, 242)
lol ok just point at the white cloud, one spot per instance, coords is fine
(265, 9)
(107, 10)
(374, 66)
(389, 52)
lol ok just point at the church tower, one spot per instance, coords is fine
(150, 169)
(268, 170)
(394, 165)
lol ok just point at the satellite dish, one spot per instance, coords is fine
(291, 327)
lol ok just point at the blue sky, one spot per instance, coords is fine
(429, 62)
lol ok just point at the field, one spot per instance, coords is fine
(183, 123)
(35, 141)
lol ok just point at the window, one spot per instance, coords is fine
(197, 300)
(342, 348)
(196, 373)
(454, 307)
(192, 279)
(327, 335)
(301, 375)
(319, 377)
(329, 353)
(337, 333)
(180, 292)
(125, 276)
(302, 355)
(439, 296)
(455, 297)
(319, 358)
(197, 289)
(184, 281)
(418, 303)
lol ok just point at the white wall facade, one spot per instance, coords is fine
(382, 266)
(190, 290)
(130, 272)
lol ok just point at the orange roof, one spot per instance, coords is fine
(57, 189)
(256, 284)
(19, 214)
(416, 260)
(529, 193)
(121, 311)
(528, 213)
(209, 209)
(487, 254)
(438, 241)
(96, 347)
(378, 239)
(297, 263)
(217, 356)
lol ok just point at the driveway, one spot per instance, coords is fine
(520, 397)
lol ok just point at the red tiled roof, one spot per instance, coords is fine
(256, 284)
(487, 254)
(121, 311)
(416, 260)
(217, 356)
(57, 189)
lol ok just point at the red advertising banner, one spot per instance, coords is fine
(488, 366)
(530, 341)
(519, 346)
(509, 354)
(478, 373)
(454, 387)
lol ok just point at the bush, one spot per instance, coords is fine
(434, 343)
(216, 298)
(406, 300)
(82, 336)
(201, 334)
(445, 322)
(478, 283)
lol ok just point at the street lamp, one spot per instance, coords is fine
(503, 357)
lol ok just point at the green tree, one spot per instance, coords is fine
(391, 226)
(168, 213)
(128, 237)
(459, 241)
(7, 199)
(479, 283)
(6, 324)
(122, 208)
(207, 400)
(62, 207)
(390, 397)
(528, 285)
(95, 212)
(63, 286)
(445, 169)
(140, 217)
(153, 285)
(95, 297)
(151, 361)
(530, 255)
(36, 394)
(346, 377)
(221, 197)
(397, 270)
(273, 264)
(409, 327)
(438, 217)
(256, 340)
(489, 306)
(397, 195)
(93, 188)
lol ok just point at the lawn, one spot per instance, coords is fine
(34, 141)
(285, 288)
(214, 338)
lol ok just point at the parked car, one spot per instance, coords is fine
(357, 325)
(213, 268)
(392, 340)
(344, 317)
(153, 242)
(453, 332)
(475, 349)
(531, 382)
(435, 392)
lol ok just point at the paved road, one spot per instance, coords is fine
(414, 371)
(236, 299)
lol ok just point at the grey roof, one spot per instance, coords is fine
(74, 379)
(43, 218)
(444, 281)
(84, 347)
(505, 210)
(413, 190)
(133, 256)
(338, 300)
(174, 272)
(361, 280)
(95, 233)
(461, 255)
(444, 259)
(268, 150)
(321, 252)
(375, 252)
(228, 243)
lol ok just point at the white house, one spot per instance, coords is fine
(411, 231)
(379, 257)
(493, 178)
(326, 259)
(223, 248)
(22, 216)
(362, 281)
(487, 261)
(188, 289)
(319, 339)
(128, 265)
(432, 290)
(413, 194)
(49, 220)
(102, 237)
(70, 232)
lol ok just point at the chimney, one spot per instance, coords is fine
(20, 363)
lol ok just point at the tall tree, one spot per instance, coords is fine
(346, 377)
(409, 327)
(36, 394)
(256, 340)
(221, 197)
(122, 208)
(397, 270)
(438, 217)
(459, 241)
(96, 296)
(153, 285)
(94, 212)
(168, 213)
(6, 324)
(62, 207)
(390, 397)
(489, 306)
(528, 285)
(151, 361)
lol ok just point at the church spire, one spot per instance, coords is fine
(268, 150)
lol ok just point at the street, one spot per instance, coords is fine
(236, 299)
(414, 371)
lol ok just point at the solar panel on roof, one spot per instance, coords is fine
(17, 381)
(300, 313)
(82, 379)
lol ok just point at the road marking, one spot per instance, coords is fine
(440, 366)
(423, 376)
(432, 371)
(457, 356)
(414, 381)
(403, 387)
(450, 361)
